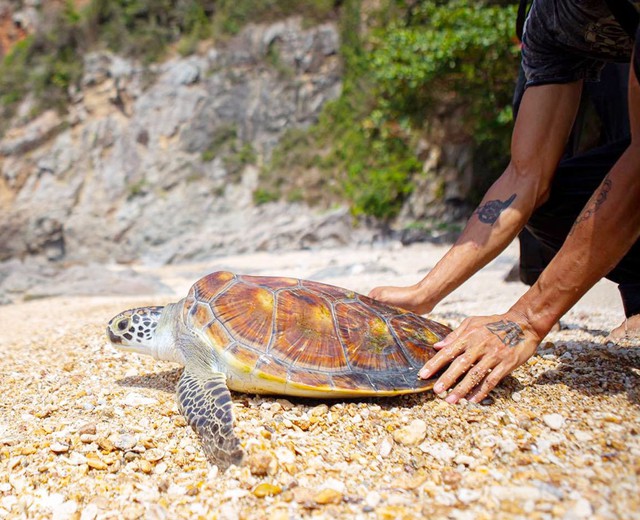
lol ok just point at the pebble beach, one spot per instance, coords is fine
(88, 432)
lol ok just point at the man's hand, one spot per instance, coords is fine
(484, 350)
(410, 298)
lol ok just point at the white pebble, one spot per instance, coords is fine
(126, 442)
(89, 513)
(411, 434)
(134, 399)
(555, 421)
(385, 446)
(336, 485)
(76, 459)
(466, 496)
(507, 445)
(59, 447)
(372, 499)
(65, 510)
(582, 436)
(8, 502)
(161, 468)
(581, 509)
(438, 450)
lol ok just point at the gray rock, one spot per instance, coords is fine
(122, 178)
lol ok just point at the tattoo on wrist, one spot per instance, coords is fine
(594, 206)
(508, 332)
(489, 212)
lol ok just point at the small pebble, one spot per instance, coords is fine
(555, 421)
(154, 454)
(328, 496)
(385, 446)
(266, 489)
(466, 496)
(126, 442)
(412, 434)
(96, 463)
(260, 463)
(319, 410)
(59, 447)
(438, 450)
(134, 399)
(145, 466)
(161, 468)
(372, 499)
(87, 429)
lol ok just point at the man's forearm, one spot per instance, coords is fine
(605, 230)
(498, 219)
(543, 124)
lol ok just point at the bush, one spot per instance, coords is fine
(413, 60)
(46, 64)
(459, 49)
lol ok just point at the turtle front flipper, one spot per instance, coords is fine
(205, 402)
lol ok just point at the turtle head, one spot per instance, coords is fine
(145, 330)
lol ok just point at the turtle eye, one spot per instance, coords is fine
(122, 325)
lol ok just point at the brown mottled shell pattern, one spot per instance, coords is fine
(312, 335)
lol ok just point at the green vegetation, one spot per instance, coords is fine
(405, 62)
(415, 59)
(46, 65)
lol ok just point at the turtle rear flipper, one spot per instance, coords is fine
(205, 402)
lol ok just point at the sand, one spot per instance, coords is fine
(92, 433)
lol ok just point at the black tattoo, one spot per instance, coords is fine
(489, 212)
(508, 332)
(594, 206)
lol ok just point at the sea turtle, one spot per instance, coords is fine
(274, 335)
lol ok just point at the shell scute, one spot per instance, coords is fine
(368, 340)
(208, 288)
(331, 291)
(242, 357)
(306, 378)
(418, 335)
(198, 314)
(247, 313)
(271, 282)
(305, 332)
(272, 369)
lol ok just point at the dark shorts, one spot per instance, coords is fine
(569, 40)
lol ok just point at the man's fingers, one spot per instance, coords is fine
(474, 377)
(449, 338)
(442, 358)
(458, 367)
(375, 292)
(489, 383)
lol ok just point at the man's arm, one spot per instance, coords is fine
(489, 348)
(540, 135)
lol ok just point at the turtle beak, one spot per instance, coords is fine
(116, 340)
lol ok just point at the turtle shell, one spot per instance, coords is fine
(308, 338)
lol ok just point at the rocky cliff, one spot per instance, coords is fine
(159, 163)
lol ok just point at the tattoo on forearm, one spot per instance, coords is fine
(489, 212)
(594, 206)
(508, 332)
